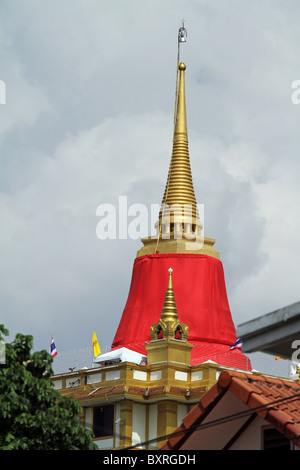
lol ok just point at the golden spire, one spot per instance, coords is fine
(178, 228)
(179, 202)
(169, 310)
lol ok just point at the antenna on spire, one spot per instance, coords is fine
(182, 35)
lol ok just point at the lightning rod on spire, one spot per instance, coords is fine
(182, 35)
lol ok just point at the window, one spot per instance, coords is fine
(103, 420)
(178, 333)
(274, 440)
(159, 332)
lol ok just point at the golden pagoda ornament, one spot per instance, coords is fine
(169, 335)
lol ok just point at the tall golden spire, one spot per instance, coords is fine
(178, 228)
(179, 205)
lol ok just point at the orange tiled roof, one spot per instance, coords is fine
(276, 400)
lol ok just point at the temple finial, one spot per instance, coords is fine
(166, 330)
(180, 120)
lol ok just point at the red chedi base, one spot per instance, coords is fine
(201, 300)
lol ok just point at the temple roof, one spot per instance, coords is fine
(201, 301)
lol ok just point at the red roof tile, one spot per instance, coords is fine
(266, 395)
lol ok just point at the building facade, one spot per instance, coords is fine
(134, 401)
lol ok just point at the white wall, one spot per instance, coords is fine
(251, 439)
(153, 422)
(181, 412)
(138, 423)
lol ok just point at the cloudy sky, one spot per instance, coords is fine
(88, 117)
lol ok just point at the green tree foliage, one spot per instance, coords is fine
(33, 415)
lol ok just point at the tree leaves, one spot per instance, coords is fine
(33, 415)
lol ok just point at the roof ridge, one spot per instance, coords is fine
(227, 375)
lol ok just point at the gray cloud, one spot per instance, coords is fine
(90, 97)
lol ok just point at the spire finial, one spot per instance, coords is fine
(182, 35)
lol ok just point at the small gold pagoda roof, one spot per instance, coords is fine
(169, 335)
(169, 310)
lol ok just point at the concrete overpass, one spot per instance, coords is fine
(276, 333)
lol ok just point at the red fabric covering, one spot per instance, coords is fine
(201, 300)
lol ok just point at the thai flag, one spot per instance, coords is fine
(238, 344)
(53, 351)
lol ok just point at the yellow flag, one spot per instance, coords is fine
(95, 344)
